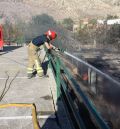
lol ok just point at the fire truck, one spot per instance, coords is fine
(1, 39)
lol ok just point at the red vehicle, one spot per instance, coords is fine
(1, 39)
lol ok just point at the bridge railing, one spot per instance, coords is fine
(80, 108)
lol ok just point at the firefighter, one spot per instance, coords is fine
(33, 58)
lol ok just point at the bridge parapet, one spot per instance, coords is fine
(92, 100)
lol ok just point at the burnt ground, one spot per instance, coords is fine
(106, 100)
(105, 60)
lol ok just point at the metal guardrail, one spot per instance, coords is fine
(100, 88)
(80, 109)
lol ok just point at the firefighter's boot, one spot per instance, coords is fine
(30, 75)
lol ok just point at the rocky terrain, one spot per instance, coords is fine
(58, 9)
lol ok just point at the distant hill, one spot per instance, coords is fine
(58, 9)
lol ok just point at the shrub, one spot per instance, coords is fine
(68, 23)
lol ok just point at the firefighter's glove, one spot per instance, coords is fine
(55, 49)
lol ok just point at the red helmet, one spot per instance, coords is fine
(51, 34)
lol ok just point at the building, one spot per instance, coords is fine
(109, 22)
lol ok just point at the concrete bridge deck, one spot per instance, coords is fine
(16, 88)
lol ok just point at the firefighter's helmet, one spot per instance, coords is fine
(51, 34)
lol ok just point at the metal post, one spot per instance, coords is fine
(92, 80)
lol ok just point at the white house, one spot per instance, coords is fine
(109, 22)
(113, 21)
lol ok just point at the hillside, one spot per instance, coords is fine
(75, 8)
(58, 9)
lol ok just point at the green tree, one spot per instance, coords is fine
(68, 23)
(111, 17)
